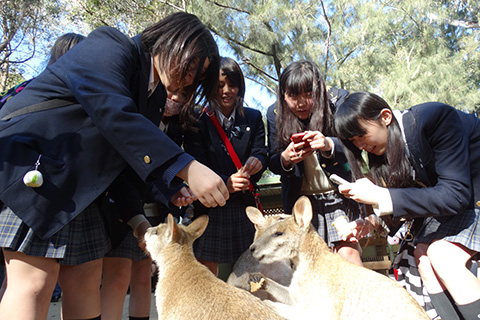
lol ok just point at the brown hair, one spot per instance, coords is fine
(181, 40)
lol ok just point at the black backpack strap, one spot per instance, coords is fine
(54, 103)
(46, 105)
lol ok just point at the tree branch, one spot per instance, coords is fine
(228, 38)
(228, 7)
(329, 35)
(262, 84)
(249, 63)
(93, 14)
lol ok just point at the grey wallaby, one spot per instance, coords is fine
(279, 271)
(186, 289)
(324, 285)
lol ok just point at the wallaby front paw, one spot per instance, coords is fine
(256, 282)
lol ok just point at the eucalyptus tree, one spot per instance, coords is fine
(408, 51)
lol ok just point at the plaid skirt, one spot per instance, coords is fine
(128, 247)
(326, 208)
(461, 228)
(229, 233)
(84, 239)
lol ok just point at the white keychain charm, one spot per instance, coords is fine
(34, 178)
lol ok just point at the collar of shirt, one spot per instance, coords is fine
(223, 120)
(152, 85)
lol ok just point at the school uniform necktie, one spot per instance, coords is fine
(227, 126)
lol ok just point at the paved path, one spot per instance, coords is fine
(54, 311)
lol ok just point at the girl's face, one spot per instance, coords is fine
(376, 134)
(301, 105)
(173, 82)
(227, 94)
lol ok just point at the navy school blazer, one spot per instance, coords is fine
(85, 146)
(207, 147)
(443, 146)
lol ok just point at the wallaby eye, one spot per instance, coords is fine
(278, 234)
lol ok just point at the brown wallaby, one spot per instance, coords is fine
(324, 285)
(279, 271)
(186, 289)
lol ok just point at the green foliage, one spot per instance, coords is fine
(26, 28)
(408, 51)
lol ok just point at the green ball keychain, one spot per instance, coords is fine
(34, 178)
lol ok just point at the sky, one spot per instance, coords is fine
(257, 97)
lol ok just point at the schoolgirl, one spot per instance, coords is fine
(424, 164)
(229, 232)
(303, 107)
(92, 116)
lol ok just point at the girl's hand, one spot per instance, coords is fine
(292, 154)
(361, 228)
(238, 181)
(209, 188)
(363, 191)
(252, 166)
(352, 231)
(317, 141)
(183, 197)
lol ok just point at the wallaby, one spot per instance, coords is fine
(324, 285)
(186, 289)
(279, 271)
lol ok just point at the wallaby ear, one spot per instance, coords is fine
(172, 228)
(198, 226)
(255, 216)
(302, 212)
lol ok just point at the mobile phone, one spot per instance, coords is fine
(337, 179)
(297, 137)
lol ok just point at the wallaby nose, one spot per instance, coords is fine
(252, 248)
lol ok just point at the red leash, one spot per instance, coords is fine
(233, 154)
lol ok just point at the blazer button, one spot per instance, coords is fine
(147, 159)
(324, 165)
(335, 163)
(478, 203)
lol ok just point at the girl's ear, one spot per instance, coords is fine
(386, 116)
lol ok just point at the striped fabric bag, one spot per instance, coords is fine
(7, 94)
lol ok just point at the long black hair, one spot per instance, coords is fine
(181, 40)
(391, 169)
(297, 78)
